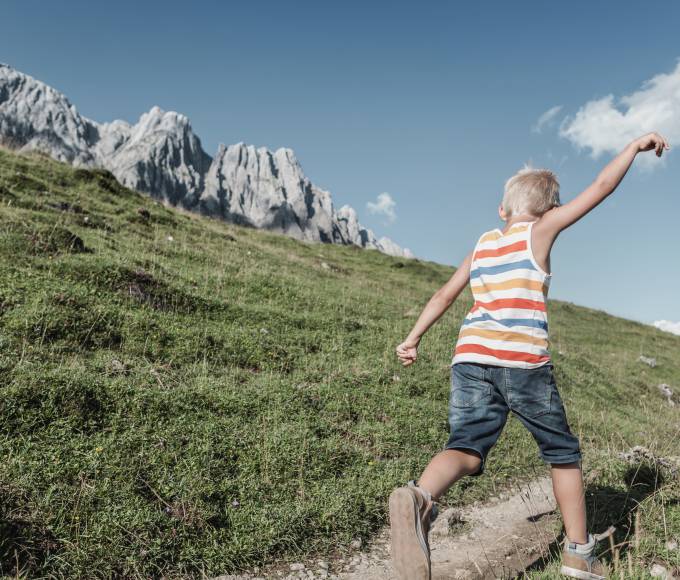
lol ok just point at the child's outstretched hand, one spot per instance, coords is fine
(652, 141)
(407, 352)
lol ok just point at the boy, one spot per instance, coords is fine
(501, 363)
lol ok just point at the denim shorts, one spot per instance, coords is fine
(481, 397)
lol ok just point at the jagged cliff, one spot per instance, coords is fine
(160, 155)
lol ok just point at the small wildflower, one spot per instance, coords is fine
(99, 449)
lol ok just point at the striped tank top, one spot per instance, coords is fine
(508, 322)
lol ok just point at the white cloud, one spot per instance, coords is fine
(668, 326)
(546, 118)
(608, 124)
(384, 205)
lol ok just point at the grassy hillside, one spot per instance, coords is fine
(182, 397)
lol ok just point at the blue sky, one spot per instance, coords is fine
(435, 103)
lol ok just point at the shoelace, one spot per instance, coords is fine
(435, 508)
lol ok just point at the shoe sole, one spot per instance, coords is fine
(581, 574)
(409, 554)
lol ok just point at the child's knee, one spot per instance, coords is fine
(470, 460)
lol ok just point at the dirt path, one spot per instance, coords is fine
(496, 539)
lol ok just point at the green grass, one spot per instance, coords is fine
(184, 397)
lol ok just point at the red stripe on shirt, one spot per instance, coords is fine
(510, 303)
(495, 252)
(501, 354)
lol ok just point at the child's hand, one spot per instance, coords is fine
(652, 141)
(407, 352)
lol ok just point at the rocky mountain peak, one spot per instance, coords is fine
(161, 155)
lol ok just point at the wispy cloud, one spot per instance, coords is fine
(668, 326)
(607, 124)
(384, 205)
(546, 119)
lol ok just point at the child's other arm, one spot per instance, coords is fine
(407, 351)
(560, 218)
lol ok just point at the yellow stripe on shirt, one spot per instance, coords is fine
(503, 335)
(508, 284)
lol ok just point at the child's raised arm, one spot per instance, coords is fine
(407, 351)
(560, 218)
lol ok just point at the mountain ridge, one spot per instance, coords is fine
(162, 156)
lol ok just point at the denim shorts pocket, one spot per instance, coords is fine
(534, 391)
(469, 395)
(468, 387)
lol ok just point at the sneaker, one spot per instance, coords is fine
(412, 512)
(579, 561)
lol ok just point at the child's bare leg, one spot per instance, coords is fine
(569, 493)
(446, 468)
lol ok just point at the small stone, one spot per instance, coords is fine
(671, 545)
(325, 266)
(648, 360)
(170, 239)
(297, 566)
(117, 366)
(356, 544)
(658, 571)
(667, 392)
(323, 565)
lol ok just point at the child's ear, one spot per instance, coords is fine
(501, 212)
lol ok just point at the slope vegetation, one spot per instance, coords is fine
(180, 396)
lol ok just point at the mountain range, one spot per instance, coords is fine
(162, 156)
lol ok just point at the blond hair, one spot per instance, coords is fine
(533, 191)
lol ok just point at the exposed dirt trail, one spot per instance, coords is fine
(497, 539)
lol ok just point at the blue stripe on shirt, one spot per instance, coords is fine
(509, 321)
(521, 265)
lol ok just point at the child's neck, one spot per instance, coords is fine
(523, 217)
